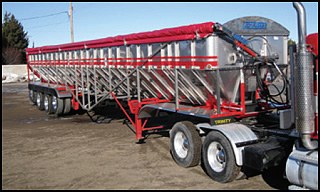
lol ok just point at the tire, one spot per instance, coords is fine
(185, 144)
(67, 106)
(57, 105)
(48, 104)
(33, 96)
(218, 158)
(39, 100)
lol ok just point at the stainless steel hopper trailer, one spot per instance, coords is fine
(224, 90)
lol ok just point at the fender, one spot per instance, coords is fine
(238, 135)
(49, 90)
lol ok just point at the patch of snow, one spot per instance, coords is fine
(14, 78)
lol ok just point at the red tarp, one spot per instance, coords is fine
(163, 35)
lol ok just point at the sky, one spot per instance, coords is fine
(48, 23)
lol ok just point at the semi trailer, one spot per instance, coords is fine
(231, 95)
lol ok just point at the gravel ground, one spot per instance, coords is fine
(72, 152)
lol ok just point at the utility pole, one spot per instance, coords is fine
(71, 21)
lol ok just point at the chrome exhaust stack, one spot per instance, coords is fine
(303, 92)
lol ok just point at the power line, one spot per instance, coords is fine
(40, 26)
(44, 16)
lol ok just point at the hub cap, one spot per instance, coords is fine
(181, 145)
(46, 103)
(216, 157)
(38, 99)
(31, 94)
(54, 103)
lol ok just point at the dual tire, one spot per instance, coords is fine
(33, 96)
(39, 100)
(59, 106)
(217, 155)
(218, 158)
(50, 103)
(185, 144)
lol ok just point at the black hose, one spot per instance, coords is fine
(264, 90)
(283, 78)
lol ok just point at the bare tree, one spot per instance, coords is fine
(12, 55)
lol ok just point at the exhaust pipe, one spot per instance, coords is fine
(303, 83)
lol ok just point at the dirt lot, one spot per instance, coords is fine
(72, 152)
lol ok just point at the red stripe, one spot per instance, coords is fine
(187, 64)
(186, 61)
(141, 58)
